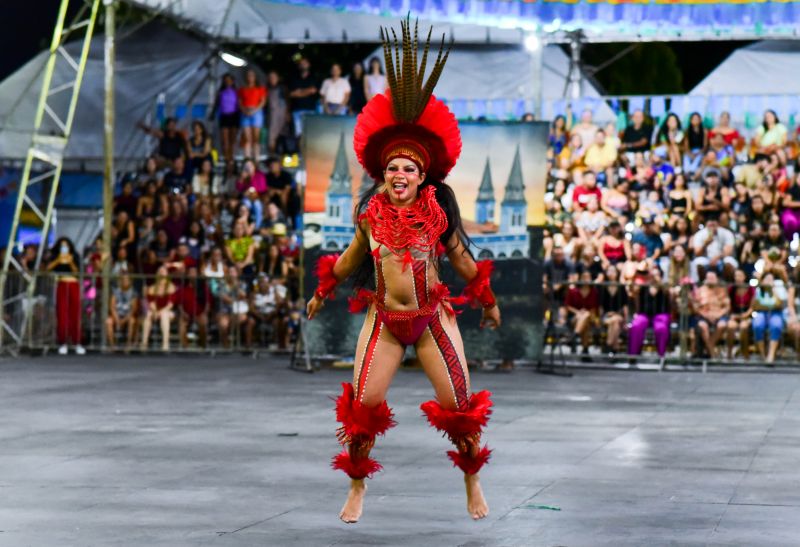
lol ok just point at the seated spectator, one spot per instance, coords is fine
(283, 253)
(178, 180)
(774, 249)
(661, 170)
(586, 128)
(583, 305)
(123, 233)
(613, 248)
(252, 98)
(240, 251)
(713, 248)
(601, 156)
(680, 200)
(121, 265)
(570, 160)
(160, 301)
(215, 270)
(123, 312)
(650, 239)
(751, 174)
(723, 128)
(652, 310)
(209, 222)
(679, 235)
(268, 307)
(694, 145)
(335, 92)
(585, 192)
(149, 173)
(176, 224)
(171, 142)
(790, 313)
(557, 273)
(652, 207)
(251, 211)
(281, 188)
(195, 305)
(741, 296)
(245, 217)
(713, 198)
(204, 181)
(199, 146)
(590, 262)
(724, 156)
(712, 306)
(251, 177)
(790, 216)
(151, 203)
(669, 140)
(768, 306)
(613, 308)
(126, 200)
(591, 223)
(233, 309)
(162, 248)
(195, 240)
(557, 139)
(274, 216)
(771, 135)
(636, 137)
(145, 236)
(616, 202)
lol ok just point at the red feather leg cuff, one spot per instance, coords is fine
(359, 420)
(459, 424)
(324, 272)
(478, 291)
(356, 468)
(470, 464)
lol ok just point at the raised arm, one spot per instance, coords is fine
(333, 269)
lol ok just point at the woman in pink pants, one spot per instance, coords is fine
(652, 309)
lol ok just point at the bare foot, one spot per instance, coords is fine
(351, 511)
(476, 503)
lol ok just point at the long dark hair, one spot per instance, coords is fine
(663, 130)
(774, 115)
(445, 197)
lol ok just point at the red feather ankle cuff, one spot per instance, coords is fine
(470, 464)
(356, 468)
(459, 424)
(327, 281)
(359, 420)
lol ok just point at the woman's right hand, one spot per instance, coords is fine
(314, 306)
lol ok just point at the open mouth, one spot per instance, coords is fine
(399, 187)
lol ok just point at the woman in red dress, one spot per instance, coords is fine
(408, 141)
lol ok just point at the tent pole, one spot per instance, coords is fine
(535, 45)
(108, 156)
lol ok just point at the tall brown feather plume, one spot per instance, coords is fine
(410, 92)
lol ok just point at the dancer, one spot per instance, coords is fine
(409, 141)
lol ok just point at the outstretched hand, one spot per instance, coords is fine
(314, 306)
(491, 317)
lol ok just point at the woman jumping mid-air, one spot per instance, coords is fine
(408, 141)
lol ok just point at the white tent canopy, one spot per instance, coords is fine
(151, 61)
(763, 68)
(484, 74)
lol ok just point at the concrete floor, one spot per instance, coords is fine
(231, 451)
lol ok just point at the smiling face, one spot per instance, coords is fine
(403, 178)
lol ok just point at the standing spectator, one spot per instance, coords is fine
(303, 92)
(768, 316)
(123, 312)
(195, 303)
(375, 81)
(636, 137)
(335, 92)
(66, 267)
(557, 139)
(713, 247)
(227, 105)
(278, 108)
(790, 216)
(694, 145)
(741, 297)
(358, 87)
(712, 306)
(171, 142)
(252, 98)
(614, 308)
(199, 145)
(583, 304)
(652, 310)
(160, 298)
(586, 128)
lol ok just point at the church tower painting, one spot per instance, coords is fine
(484, 205)
(338, 228)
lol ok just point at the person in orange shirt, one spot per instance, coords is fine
(252, 98)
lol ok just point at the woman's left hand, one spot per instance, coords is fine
(491, 317)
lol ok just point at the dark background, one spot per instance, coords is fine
(656, 67)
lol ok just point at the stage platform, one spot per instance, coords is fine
(234, 451)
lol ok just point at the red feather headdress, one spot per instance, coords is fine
(407, 120)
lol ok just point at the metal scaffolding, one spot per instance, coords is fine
(45, 156)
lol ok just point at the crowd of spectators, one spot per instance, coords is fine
(670, 220)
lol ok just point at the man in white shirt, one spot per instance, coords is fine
(712, 245)
(335, 93)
